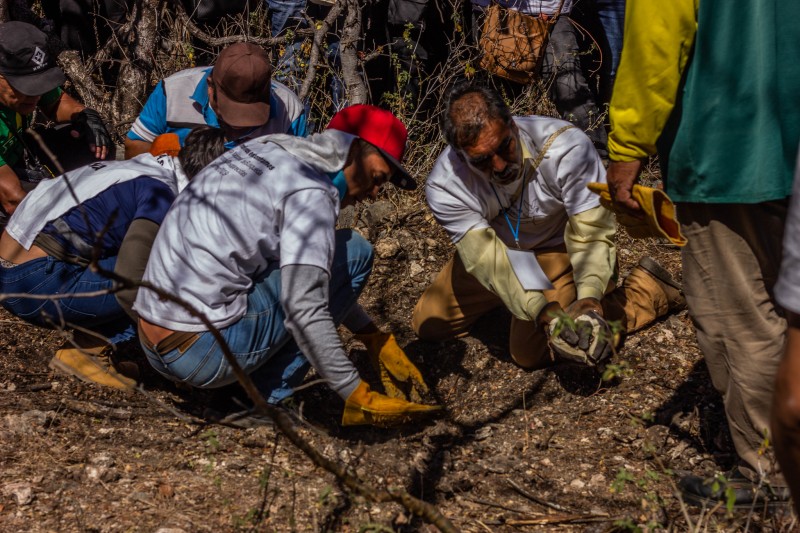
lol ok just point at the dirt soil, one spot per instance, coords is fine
(551, 450)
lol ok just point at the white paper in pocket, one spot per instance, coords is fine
(528, 271)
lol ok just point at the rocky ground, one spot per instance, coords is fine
(551, 450)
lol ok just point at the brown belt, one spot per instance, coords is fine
(182, 340)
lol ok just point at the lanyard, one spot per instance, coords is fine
(514, 231)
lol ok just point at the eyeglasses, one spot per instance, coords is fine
(504, 151)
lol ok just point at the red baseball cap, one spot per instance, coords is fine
(242, 76)
(381, 129)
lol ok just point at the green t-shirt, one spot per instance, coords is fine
(739, 126)
(11, 149)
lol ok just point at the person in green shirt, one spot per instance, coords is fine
(30, 80)
(712, 87)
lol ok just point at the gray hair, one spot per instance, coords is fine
(468, 108)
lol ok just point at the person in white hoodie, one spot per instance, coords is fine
(106, 215)
(251, 246)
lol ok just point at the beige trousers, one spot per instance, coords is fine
(730, 267)
(455, 300)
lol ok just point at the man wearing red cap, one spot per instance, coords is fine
(237, 95)
(252, 245)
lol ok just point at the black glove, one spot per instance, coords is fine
(91, 128)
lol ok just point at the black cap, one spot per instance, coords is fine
(25, 59)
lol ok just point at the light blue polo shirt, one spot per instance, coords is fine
(180, 103)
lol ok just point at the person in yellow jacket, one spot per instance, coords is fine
(712, 87)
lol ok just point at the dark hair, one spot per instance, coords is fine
(203, 145)
(468, 107)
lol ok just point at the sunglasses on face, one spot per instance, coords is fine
(503, 151)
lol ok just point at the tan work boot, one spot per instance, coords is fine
(88, 359)
(673, 289)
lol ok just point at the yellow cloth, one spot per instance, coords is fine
(659, 213)
(646, 87)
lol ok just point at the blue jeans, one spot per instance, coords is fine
(50, 277)
(282, 11)
(611, 14)
(259, 340)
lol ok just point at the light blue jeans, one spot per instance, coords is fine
(47, 276)
(259, 340)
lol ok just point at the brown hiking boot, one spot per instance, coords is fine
(88, 359)
(671, 288)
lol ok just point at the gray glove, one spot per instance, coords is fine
(589, 342)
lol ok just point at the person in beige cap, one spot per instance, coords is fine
(237, 95)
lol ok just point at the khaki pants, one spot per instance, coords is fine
(730, 267)
(455, 300)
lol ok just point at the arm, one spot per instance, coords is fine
(786, 410)
(132, 260)
(86, 123)
(658, 41)
(484, 257)
(304, 297)
(134, 147)
(151, 122)
(11, 192)
(589, 237)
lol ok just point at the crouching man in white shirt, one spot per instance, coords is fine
(512, 194)
(251, 243)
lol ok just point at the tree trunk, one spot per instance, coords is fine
(355, 88)
(134, 74)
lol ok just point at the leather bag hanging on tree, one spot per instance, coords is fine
(513, 43)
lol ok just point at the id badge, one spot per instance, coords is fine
(529, 273)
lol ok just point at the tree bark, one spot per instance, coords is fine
(134, 74)
(355, 88)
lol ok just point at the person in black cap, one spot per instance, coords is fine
(30, 79)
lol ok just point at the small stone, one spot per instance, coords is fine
(386, 248)
(546, 462)
(415, 269)
(597, 480)
(166, 491)
(21, 491)
(577, 484)
(102, 460)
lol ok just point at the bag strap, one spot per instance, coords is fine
(549, 142)
(540, 156)
(558, 11)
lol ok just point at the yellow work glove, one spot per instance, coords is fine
(365, 406)
(657, 218)
(399, 376)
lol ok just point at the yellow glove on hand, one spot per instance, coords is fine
(399, 376)
(365, 406)
(657, 218)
